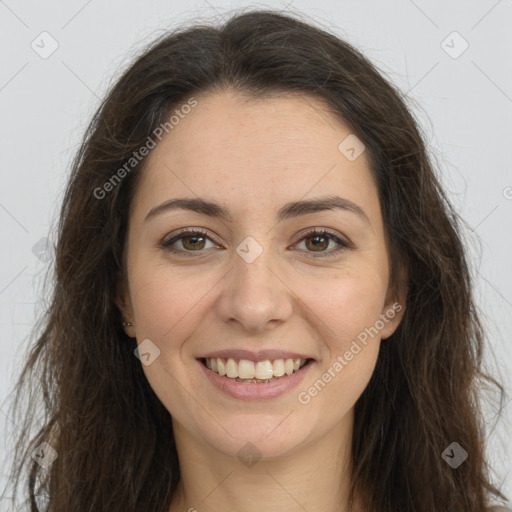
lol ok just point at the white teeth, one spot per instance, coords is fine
(231, 369)
(263, 370)
(278, 368)
(288, 366)
(250, 371)
(246, 369)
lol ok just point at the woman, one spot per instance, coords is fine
(262, 301)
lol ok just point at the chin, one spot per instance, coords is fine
(254, 436)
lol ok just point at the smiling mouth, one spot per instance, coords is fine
(245, 370)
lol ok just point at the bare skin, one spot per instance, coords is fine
(253, 157)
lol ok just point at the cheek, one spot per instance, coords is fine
(338, 387)
(165, 303)
(352, 310)
(349, 305)
(347, 319)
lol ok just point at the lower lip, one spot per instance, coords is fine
(254, 390)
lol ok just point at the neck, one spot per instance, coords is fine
(314, 477)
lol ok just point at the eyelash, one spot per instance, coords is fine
(185, 232)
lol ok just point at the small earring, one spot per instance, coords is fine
(127, 324)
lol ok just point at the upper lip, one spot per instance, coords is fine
(260, 355)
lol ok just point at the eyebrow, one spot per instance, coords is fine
(288, 211)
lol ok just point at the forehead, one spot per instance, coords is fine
(255, 152)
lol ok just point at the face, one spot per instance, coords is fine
(257, 286)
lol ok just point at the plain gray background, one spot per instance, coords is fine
(460, 85)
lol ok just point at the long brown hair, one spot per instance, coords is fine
(112, 436)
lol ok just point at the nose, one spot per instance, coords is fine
(255, 296)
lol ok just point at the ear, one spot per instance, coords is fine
(393, 311)
(124, 303)
(391, 316)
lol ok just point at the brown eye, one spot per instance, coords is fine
(317, 241)
(191, 241)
